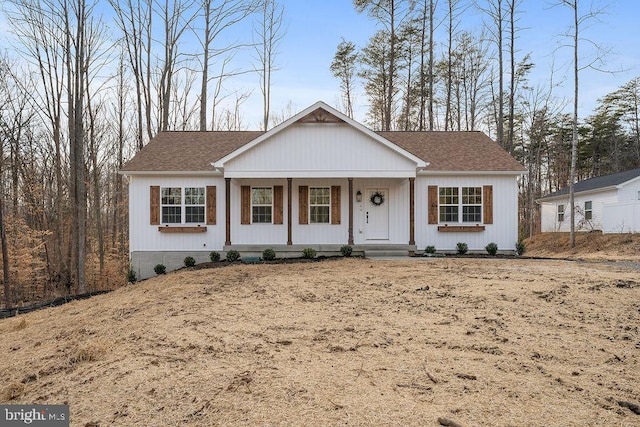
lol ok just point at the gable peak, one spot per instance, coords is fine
(320, 115)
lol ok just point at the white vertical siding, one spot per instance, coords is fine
(398, 202)
(313, 150)
(503, 231)
(145, 237)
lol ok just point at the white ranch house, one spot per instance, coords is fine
(609, 203)
(319, 180)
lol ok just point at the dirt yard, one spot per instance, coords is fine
(477, 342)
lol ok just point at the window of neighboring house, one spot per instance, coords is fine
(173, 208)
(319, 205)
(454, 200)
(262, 205)
(560, 213)
(588, 210)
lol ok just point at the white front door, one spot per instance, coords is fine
(376, 213)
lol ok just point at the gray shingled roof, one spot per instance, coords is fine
(597, 183)
(193, 151)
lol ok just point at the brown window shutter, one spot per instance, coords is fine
(487, 201)
(335, 204)
(154, 213)
(211, 205)
(432, 204)
(245, 204)
(303, 204)
(277, 204)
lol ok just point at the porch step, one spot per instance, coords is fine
(386, 253)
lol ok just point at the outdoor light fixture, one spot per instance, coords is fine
(359, 196)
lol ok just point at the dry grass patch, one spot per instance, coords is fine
(358, 342)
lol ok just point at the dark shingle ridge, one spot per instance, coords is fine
(598, 182)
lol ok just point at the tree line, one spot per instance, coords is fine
(422, 70)
(86, 84)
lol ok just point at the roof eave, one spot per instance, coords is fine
(424, 172)
(170, 173)
(581, 193)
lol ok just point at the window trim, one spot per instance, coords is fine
(560, 211)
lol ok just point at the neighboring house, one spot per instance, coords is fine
(319, 180)
(610, 203)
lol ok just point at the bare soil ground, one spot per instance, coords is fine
(500, 342)
(589, 246)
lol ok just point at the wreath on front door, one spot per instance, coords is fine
(377, 198)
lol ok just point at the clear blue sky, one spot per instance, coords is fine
(314, 29)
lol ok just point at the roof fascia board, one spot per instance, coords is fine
(420, 163)
(172, 173)
(427, 172)
(578, 193)
(321, 174)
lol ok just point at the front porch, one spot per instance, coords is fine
(295, 251)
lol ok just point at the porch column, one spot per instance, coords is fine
(412, 225)
(289, 220)
(227, 208)
(350, 241)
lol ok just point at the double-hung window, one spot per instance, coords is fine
(262, 205)
(319, 205)
(460, 204)
(449, 201)
(182, 206)
(588, 210)
(471, 204)
(560, 213)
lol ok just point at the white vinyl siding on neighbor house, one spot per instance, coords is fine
(586, 219)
